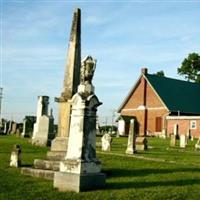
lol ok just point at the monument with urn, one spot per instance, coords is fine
(81, 170)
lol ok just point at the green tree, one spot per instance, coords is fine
(190, 68)
(160, 73)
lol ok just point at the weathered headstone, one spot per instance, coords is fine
(24, 128)
(131, 149)
(9, 127)
(41, 127)
(182, 141)
(164, 134)
(121, 126)
(172, 140)
(13, 128)
(18, 132)
(70, 86)
(81, 170)
(106, 142)
(141, 143)
(5, 128)
(15, 158)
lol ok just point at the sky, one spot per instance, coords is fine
(124, 36)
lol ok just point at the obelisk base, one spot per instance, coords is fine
(65, 181)
(59, 144)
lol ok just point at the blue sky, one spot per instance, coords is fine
(123, 36)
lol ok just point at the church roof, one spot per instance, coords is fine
(177, 95)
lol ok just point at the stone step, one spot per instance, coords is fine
(56, 155)
(47, 164)
(39, 173)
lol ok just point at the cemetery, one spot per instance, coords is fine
(154, 155)
(162, 172)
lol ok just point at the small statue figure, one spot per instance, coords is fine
(88, 67)
(15, 158)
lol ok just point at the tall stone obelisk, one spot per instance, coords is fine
(71, 82)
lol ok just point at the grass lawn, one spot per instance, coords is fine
(173, 173)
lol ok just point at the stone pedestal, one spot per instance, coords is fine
(61, 141)
(59, 144)
(78, 182)
(131, 149)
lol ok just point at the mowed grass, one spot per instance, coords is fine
(173, 173)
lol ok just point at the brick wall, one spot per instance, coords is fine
(183, 126)
(137, 102)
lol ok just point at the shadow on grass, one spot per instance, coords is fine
(126, 185)
(26, 165)
(144, 172)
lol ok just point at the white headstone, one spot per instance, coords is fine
(24, 128)
(121, 127)
(182, 141)
(5, 128)
(42, 126)
(131, 149)
(106, 142)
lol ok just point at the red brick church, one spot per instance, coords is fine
(158, 103)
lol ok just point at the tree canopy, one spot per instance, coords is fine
(190, 68)
(160, 73)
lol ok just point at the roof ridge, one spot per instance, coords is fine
(164, 77)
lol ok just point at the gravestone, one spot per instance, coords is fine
(24, 128)
(172, 140)
(5, 128)
(141, 143)
(15, 158)
(13, 128)
(28, 126)
(81, 170)
(121, 126)
(9, 127)
(106, 142)
(131, 148)
(182, 141)
(18, 132)
(42, 126)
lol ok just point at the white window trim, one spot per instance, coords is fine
(193, 124)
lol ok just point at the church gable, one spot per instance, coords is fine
(137, 99)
